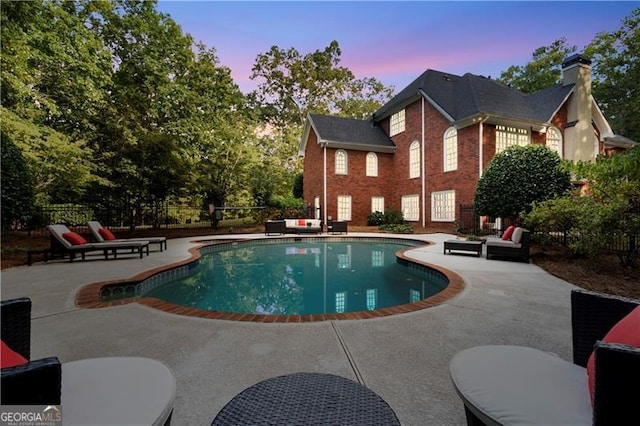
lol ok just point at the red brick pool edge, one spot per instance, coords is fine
(88, 297)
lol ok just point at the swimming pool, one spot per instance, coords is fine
(300, 278)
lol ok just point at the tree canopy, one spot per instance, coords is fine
(518, 177)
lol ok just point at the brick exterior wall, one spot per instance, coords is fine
(393, 179)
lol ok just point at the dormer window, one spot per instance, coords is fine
(397, 123)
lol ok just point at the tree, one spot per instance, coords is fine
(517, 177)
(17, 185)
(616, 72)
(543, 71)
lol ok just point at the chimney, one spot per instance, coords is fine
(580, 143)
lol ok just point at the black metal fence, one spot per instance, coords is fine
(161, 216)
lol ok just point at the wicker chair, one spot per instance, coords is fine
(39, 381)
(479, 374)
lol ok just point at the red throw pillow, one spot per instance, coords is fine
(106, 234)
(302, 222)
(508, 233)
(625, 332)
(74, 238)
(10, 358)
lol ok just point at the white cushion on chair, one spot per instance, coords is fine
(517, 235)
(517, 385)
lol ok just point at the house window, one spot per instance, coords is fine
(554, 140)
(411, 207)
(341, 162)
(508, 136)
(377, 204)
(443, 206)
(372, 164)
(372, 298)
(414, 160)
(397, 123)
(344, 207)
(450, 149)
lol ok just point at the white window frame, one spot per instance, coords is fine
(507, 136)
(377, 204)
(414, 160)
(554, 140)
(344, 207)
(411, 207)
(443, 206)
(450, 149)
(372, 164)
(397, 123)
(342, 162)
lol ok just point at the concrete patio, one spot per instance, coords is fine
(404, 358)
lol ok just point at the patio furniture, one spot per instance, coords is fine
(105, 391)
(102, 234)
(463, 245)
(516, 247)
(502, 385)
(62, 237)
(303, 226)
(275, 227)
(307, 399)
(36, 382)
(336, 227)
(117, 391)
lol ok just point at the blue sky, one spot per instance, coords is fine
(394, 41)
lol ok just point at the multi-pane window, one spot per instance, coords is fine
(414, 160)
(372, 298)
(377, 204)
(508, 136)
(341, 301)
(372, 164)
(554, 140)
(450, 149)
(397, 123)
(411, 207)
(341, 162)
(344, 207)
(443, 206)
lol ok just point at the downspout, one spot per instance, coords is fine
(324, 184)
(424, 168)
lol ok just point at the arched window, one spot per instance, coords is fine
(554, 140)
(414, 160)
(341, 162)
(450, 148)
(372, 164)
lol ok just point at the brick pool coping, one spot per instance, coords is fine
(88, 297)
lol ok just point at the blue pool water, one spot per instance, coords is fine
(298, 278)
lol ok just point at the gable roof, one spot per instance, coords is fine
(347, 133)
(462, 98)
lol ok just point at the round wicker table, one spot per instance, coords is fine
(307, 399)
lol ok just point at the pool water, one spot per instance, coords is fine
(299, 278)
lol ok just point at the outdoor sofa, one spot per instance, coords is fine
(514, 243)
(113, 390)
(102, 234)
(522, 385)
(293, 226)
(63, 241)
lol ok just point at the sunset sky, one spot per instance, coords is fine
(394, 41)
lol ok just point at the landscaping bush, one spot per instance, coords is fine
(392, 217)
(17, 185)
(375, 219)
(397, 228)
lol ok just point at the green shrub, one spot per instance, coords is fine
(375, 219)
(393, 217)
(397, 228)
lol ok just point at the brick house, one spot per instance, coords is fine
(423, 152)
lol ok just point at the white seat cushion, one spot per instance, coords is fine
(501, 243)
(517, 385)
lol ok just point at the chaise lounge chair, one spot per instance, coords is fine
(67, 242)
(115, 390)
(102, 234)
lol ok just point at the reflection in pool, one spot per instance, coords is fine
(298, 278)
